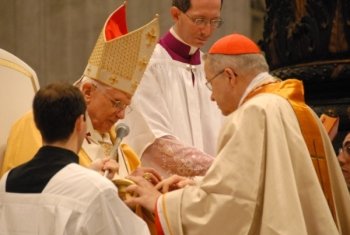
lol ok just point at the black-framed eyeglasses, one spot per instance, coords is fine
(208, 83)
(202, 22)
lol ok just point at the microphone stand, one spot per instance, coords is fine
(121, 130)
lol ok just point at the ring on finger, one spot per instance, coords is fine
(147, 176)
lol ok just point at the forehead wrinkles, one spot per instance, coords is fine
(119, 95)
(208, 9)
(204, 14)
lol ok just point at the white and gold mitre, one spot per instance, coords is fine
(119, 58)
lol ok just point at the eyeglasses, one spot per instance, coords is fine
(202, 22)
(117, 104)
(208, 83)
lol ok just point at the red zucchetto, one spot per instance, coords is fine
(234, 44)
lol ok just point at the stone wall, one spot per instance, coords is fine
(56, 37)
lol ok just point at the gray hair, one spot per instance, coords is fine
(84, 79)
(245, 65)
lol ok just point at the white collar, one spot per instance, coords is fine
(192, 48)
(259, 79)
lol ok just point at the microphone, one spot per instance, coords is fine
(121, 130)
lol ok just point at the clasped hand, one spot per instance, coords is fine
(147, 193)
(105, 165)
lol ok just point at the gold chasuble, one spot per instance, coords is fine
(293, 91)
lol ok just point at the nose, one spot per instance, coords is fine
(207, 30)
(120, 114)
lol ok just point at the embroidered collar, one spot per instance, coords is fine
(94, 136)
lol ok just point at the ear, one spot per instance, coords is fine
(230, 74)
(87, 90)
(175, 12)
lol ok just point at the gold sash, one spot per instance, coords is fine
(293, 91)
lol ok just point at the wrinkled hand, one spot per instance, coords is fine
(174, 182)
(147, 173)
(105, 164)
(145, 193)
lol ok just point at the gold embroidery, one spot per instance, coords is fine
(107, 147)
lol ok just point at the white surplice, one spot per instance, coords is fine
(75, 201)
(169, 102)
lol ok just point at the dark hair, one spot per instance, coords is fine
(56, 108)
(184, 5)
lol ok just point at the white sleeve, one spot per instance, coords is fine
(108, 214)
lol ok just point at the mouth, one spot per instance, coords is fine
(202, 40)
(109, 123)
(112, 122)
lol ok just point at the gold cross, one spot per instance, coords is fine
(151, 37)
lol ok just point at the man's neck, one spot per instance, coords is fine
(173, 32)
(70, 144)
(179, 50)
